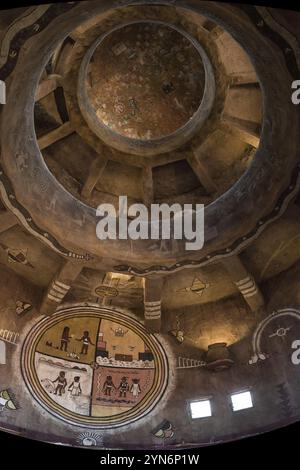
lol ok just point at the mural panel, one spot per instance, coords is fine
(93, 367)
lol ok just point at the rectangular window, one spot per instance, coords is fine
(241, 401)
(200, 409)
(2, 92)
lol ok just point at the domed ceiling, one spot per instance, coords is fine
(131, 344)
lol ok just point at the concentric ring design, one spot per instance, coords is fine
(236, 218)
(84, 314)
(153, 146)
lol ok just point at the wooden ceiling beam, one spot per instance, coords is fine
(47, 86)
(61, 132)
(147, 186)
(201, 172)
(245, 283)
(247, 131)
(214, 29)
(95, 172)
(153, 288)
(60, 286)
(244, 78)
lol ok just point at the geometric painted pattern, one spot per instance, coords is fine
(94, 367)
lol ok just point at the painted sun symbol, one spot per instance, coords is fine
(90, 439)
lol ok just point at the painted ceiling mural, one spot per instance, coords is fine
(109, 343)
(94, 368)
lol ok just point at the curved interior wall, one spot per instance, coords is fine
(93, 372)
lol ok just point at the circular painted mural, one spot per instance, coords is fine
(94, 367)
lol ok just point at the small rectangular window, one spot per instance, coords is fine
(241, 401)
(2, 92)
(200, 409)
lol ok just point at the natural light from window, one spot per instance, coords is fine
(241, 401)
(200, 409)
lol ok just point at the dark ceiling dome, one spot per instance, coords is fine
(143, 343)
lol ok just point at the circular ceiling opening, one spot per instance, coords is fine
(145, 80)
(145, 87)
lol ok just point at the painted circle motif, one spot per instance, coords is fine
(106, 291)
(94, 367)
